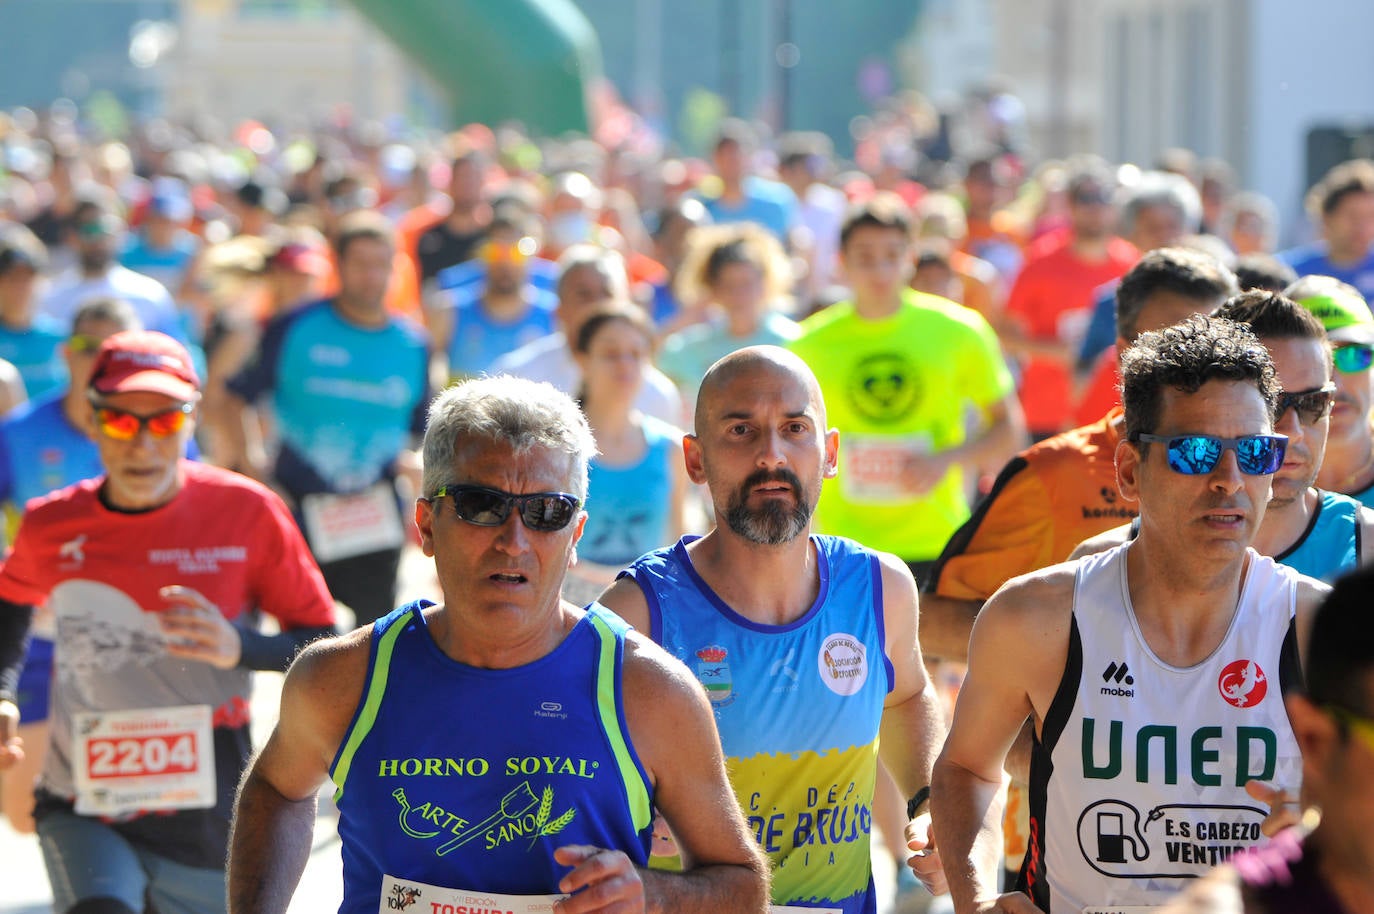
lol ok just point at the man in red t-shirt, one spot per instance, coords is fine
(156, 573)
(1051, 302)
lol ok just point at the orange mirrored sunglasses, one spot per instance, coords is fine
(122, 425)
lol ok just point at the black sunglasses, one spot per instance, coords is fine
(1192, 455)
(1311, 405)
(542, 511)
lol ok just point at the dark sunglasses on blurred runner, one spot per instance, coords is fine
(122, 425)
(542, 511)
(1192, 455)
(1353, 357)
(1312, 405)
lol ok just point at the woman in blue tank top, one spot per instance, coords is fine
(637, 483)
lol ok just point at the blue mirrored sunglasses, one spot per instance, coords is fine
(1192, 455)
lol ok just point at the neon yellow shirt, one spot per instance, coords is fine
(905, 384)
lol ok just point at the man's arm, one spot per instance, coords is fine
(1310, 595)
(196, 629)
(674, 733)
(275, 811)
(15, 620)
(626, 600)
(1016, 658)
(945, 625)
(912, 727)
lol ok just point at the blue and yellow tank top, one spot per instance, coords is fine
(1330, 546)
(469, 778)
(798, 708)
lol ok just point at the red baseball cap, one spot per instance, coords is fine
(300, 258)
(144, 361)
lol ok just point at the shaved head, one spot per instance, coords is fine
(761, 445)
(752, 361)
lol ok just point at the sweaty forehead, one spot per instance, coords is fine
(750, 380)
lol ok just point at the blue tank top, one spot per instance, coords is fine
(469, 778)
(479, 340)
(798, 708)
(1331, 544)
(1365, 498)
(629, 507)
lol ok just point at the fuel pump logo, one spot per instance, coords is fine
(1177, 840)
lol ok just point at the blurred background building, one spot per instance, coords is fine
(1280, 90)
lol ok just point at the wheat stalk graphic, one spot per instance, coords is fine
(542, 825)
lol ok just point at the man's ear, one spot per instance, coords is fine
(1128, 466)
(832, 453)
(579, 526)
(424, 522)
(692, 459)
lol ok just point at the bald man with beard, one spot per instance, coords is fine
(806, 644)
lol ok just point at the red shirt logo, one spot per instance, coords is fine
(1243, 684)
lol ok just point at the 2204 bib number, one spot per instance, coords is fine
(133, 756)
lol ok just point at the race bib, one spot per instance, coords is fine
(402, 894)
(342, 526)
(873, 464)
(156, 759)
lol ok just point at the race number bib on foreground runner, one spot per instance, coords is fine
(155, 759)
(401, 894)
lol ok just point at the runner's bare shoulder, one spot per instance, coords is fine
(325, 683)
(1029, 617)
(664, 702)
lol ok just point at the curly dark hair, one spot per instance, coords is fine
(1186, 356)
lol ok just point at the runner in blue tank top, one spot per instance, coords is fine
(805, 644)
(504, 751)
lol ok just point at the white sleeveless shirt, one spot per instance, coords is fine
(1137, 782)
